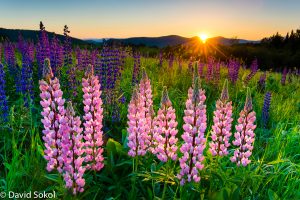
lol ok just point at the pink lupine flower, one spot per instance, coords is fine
(93, 120)
(193, 136)
(72, 150)
(53, 117)
(165, 130)
(244, 136)
(221, 130)
(137, 136)
(147, 102)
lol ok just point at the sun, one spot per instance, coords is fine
(203, 37)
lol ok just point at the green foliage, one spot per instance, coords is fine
(274, 172)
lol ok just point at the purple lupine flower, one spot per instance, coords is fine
(200, 69)
(72, 81)
(216, 73)
(210, 69)
(79, 58)
(233, 70)
(72, 152)
(93, 120)
(193, 136)
(93, 57)
(254, 69)
(43, 49)
(136, 68)
(55, 124)
(10, 59)
(0, 53)
(3, 100)
(244, 135)
(56, 56)
(67, 47)
(283, 76)
(266, 109)
(262, 81)
(165, 131)
(27, 83)
(221, 130)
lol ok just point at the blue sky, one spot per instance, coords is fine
(251, 19)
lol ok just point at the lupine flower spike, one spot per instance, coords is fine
(244, 136)
(266, 109)
(146, 98)
(53, 117)
(221, 130)
(72, 151)
(136, 121)
(165, 130)
(193, 136)
(3, 100)
(93, 120)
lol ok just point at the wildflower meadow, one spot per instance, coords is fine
(112, 122)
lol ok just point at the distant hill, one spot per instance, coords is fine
(229, 41)
(171, 40)
(13, 34)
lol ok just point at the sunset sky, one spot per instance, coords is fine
(251, 19)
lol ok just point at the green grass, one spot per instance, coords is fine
(274, 172)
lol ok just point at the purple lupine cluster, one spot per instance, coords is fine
(27, 83)
(262, 81)
(72, 80)
(210, 69)
(56, 56)
(10, 60)
(200, 69)
(266, 109)
(254, 69)
(283, 76)
(108, 66)
(233, 70)
(216, 73)
(3, 100)
(136, 68)
(67, 47)
(26, 77)
(42, 49)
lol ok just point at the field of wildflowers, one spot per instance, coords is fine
(111, 123)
